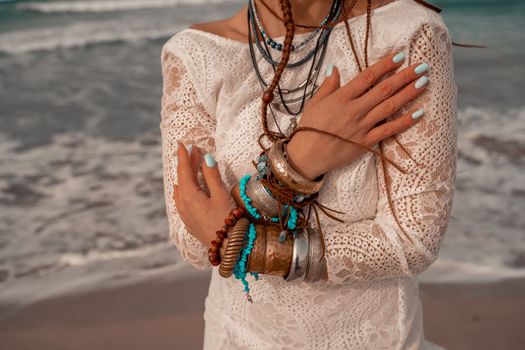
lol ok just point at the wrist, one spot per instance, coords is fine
(299, 160)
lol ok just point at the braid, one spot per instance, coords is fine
(286, 8)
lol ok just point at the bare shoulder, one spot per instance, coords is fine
(232, 28)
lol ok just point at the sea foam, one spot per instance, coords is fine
(108, 6)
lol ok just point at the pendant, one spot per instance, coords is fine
(282, 236)
(292, 126)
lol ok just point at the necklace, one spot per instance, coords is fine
(279, 46)
(266, 53)
(282, 104)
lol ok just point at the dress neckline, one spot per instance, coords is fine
(297, 35)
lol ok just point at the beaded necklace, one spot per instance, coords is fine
(279, 46)
(266, 53)
(281, 103)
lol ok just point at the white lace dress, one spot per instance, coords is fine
(212, 98)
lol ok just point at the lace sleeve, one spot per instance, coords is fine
(377, 248)
(184, 119)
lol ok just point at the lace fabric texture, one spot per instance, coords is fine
(370, 300)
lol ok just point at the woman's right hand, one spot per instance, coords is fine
(353, 112)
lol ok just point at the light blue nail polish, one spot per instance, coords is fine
(421, 82)
(189, 148)
(399, 57)
(329, 70)
(210, 161)
(418, 114)
(423, 67)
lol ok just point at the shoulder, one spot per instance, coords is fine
(396, 28)
(194, 55)
(205, 35)
(418, 16)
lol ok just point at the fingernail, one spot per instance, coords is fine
(210, 161)
(418, 114)
(423, 67)
(189, 148)
(329, 70)
(399, 57)
(421, 82)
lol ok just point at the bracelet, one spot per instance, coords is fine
(288, 175)
(239, 270)
(216, 244)
(257, 259)
(233, 247)
(299, 257)
(269, 256)
(316, 265)
(262, 200)
(243, 182)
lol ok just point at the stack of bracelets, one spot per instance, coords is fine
(268, 233)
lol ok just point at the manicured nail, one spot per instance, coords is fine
(329, 70)
(210, 161)
(423, 67)
(399, 57)
(421, 82)
(189, 148)
(418, 114)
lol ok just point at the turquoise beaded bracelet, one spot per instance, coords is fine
(292, 219)
(239, 270)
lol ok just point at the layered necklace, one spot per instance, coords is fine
(308, 86)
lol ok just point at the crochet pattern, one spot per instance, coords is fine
(211, 98)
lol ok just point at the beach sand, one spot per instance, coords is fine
(165, 311)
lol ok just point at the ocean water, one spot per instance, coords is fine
(80, 166)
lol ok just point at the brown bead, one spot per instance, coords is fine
(214, 249)
(225, 229)
(214, 243)
(221, 234)
(267, 97)
(228, 221)
(232, 218)
(237, 213)
(215, 263)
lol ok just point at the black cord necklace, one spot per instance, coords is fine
(265, 52)
(319, 45)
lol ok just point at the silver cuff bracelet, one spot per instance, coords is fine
(316, 267)
(261, 199)
(299, 257)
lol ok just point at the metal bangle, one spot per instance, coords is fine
(299, 257)
(289, 176)
(233, 248)
(316, 265)
(261, 199)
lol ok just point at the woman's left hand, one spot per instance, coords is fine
(202, 215)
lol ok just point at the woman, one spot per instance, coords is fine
(396, 200)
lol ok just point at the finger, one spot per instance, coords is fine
(331, 83)
(394, 103)
(394, 126)
(184, 171)
(212, 176)
(391, 85)
(195, 159)
(177, 200)
(366, 79)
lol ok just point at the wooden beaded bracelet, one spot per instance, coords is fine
(216, 244)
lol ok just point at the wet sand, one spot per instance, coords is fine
(166, 312)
